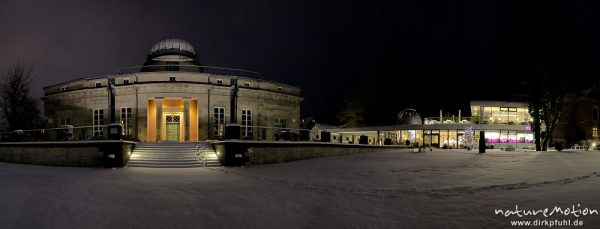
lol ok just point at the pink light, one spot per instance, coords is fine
(507, 141)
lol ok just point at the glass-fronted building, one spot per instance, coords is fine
(506, 125)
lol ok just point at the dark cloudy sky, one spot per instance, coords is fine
(394, 54)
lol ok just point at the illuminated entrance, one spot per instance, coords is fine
(173, 123)
(172, 119)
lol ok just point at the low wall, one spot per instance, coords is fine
(67, 153)
(236, 153)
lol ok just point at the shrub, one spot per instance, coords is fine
(559, 144)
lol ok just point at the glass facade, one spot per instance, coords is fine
(503, 115)
(451, 138)
(506, 124)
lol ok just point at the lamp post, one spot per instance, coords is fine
(114, 128)
(232, 130)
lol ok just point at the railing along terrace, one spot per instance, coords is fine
(468, 120)
(265, 133)
(100, 132)
(191, 68)
(61, 133)
(448, 120)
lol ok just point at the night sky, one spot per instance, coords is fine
(395, 55)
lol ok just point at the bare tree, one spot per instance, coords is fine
(352, 111)
(552, 56)
(19, 109)
(548, 89)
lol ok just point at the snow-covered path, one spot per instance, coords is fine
(389, 189)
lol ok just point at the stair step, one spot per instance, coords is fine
(165, 153)
(168, 162)
(173, 155)
(164, 166)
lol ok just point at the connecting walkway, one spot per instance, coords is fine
(173, 155)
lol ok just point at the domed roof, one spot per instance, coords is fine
(172, 44)
(409, 117)
(172, 55)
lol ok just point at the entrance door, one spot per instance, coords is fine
(173, 123)
(435, 140)
(427, 139)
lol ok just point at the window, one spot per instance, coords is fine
(126, 120)
(219, 81)
(126, 82)
(98, 122)
(247, 123)
(98, 84)
(595, 113)
(280, 123)
(219, 121)
(65, 121)
(279, 88)
(247, 84)
(172, 78)
(63, 88)
(173, 119)
(595, 133)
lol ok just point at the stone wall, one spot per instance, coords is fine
(237, 153)
(79, 154)
(268, 155)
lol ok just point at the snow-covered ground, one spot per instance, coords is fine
(388, 189)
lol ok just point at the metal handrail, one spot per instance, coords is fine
(64, 127)
(136, 69)
(279, 128)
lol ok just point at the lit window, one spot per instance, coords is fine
(98, 84)
(172, 78)
(98, 122)
(595, 133)
(126, 120)
(219, 81)
(219, 121)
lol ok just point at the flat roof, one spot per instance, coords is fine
(431, 127)
(498, 103)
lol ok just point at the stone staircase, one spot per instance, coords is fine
(173, 155)
(207, 155)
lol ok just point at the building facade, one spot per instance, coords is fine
(506, 125)
(174, 98)
(579, 120)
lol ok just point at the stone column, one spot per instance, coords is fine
(159, 106)
(186, 117)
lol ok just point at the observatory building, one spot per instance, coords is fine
(172, 97)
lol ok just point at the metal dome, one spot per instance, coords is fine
(172, 55)
(409, 117)
(172, 44)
